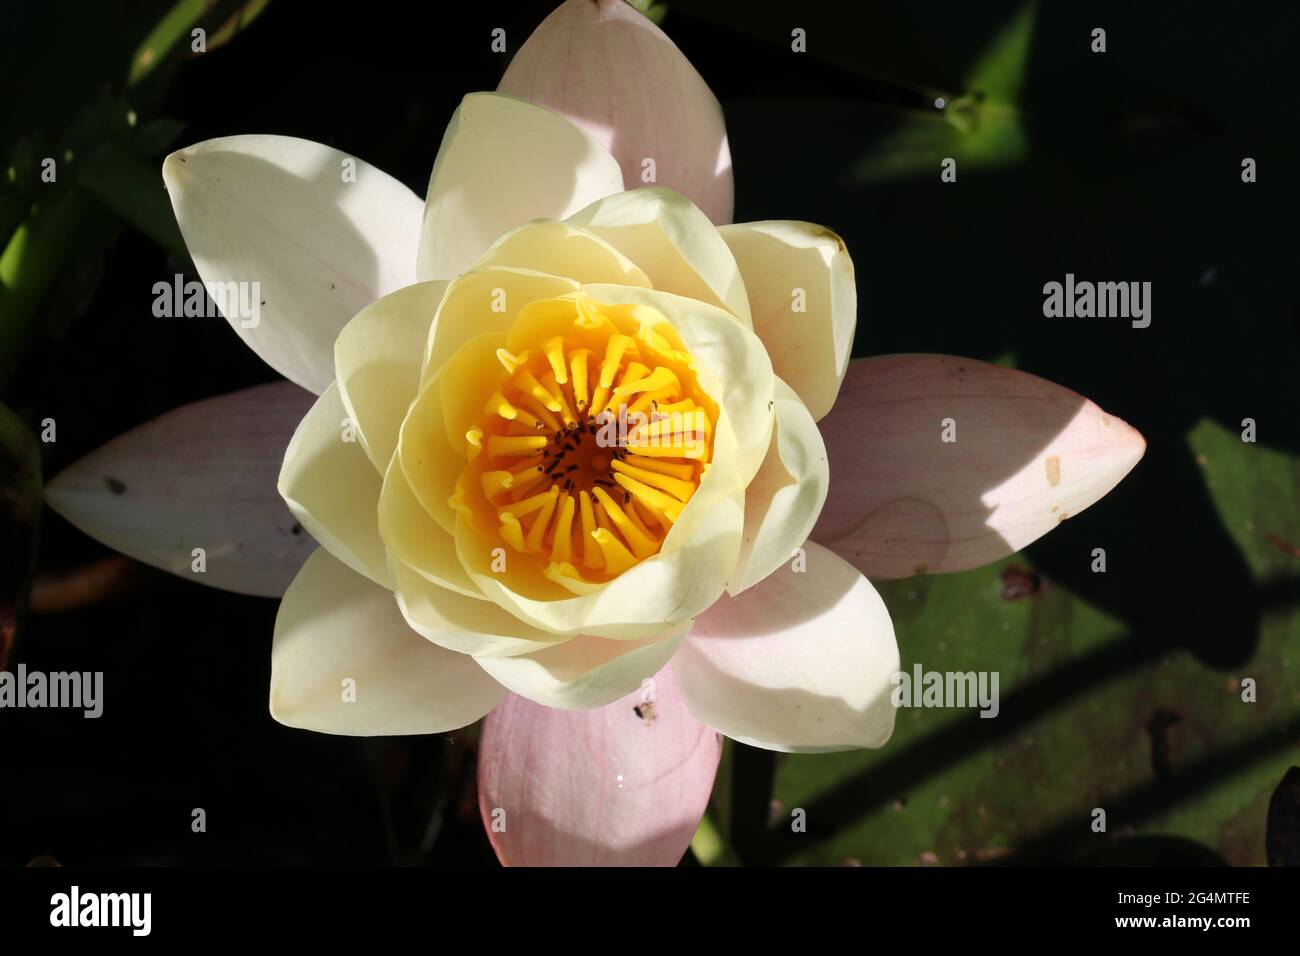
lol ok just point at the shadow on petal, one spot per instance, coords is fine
(322, 233)
(616, 87)
(942, 464)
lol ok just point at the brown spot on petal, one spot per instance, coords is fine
(824, 233)
(1054, 470)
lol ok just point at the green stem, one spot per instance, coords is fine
(710, 847)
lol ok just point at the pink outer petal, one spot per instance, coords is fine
(618, 76)
(1028, 454)
(599, 787)
(200, 476)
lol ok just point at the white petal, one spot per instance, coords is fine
(322, 233)
(585, 672)
(415, 538)
(331, 487)
(200, 476)
(804, 301)
(801, 663)
(673, 243)
(338, 632)
(786, 496)
(503, 162)
(463, 624)
(377, 359)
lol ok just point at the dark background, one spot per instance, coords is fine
(1127, 168)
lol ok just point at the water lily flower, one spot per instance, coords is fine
(563, 464)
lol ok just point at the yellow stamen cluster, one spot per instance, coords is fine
(592, 444)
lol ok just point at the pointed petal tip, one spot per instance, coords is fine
(621, 107)
(200, 476)
(1026, 454)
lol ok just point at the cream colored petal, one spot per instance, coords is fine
(673, 242)
(321, 233)
(345, 662)
(429, 462)
(416, 540)
(786, 496)
(503, 162)
(801, 663)
(464, 624)
(465, 384)
(804, 301)
(332, 489)
(562, 249)
(377, 360)
(585, 672)
(734, 367)
(485, 301)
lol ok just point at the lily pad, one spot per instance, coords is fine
(1093, 715)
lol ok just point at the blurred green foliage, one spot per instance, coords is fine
(81, 168)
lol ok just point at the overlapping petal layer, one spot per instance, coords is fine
(345, 662)
(503, 162)
(785, 497)
(672, 241)
(800, 663)
(805, 307)
(331, 487)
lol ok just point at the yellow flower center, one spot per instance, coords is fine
(593, 441)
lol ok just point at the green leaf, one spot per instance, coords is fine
(241, 19)
(156, 137)
(980, 128)
(999, 71)
(169, 39)
(134, 190)
(1090, 716)
(70, 226)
